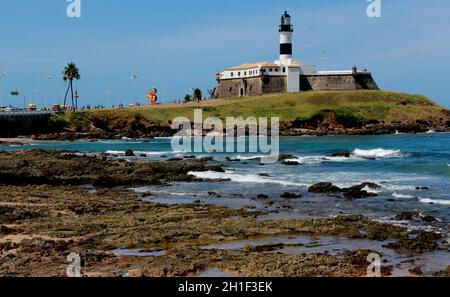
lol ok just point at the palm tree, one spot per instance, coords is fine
(70, 73)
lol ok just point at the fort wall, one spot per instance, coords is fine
(360, 81)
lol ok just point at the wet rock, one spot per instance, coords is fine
(344, 154)
(291, 163)
(444, 273)
(22, 163)
(10, 215)
(422, 188)
(419, 242)
(61, 168)
(234, 195)
(207, 159)
(264, 174)
(262, 196)
(358, 192)
(214, 194)
(6, 231)
(416, 271)
(229, 159)
(414, 215)
(284, 157)
(324, 188)
(129, 153)
(289, 195)
(174, 159)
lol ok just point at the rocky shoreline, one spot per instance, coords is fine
(48, 212)
(321, 126)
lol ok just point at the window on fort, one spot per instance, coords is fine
(284, 69)
(245, 72)
(231, 89)
(276, 69)
(239, 73)
(232, 74)
(270, 69)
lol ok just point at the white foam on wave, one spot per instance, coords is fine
(248, 158)
(402, 196)
(317, 159)
(378, 153)
(370, 190)
(435, 201)
(243, 178)
(148, 153)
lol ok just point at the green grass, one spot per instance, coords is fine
(352, 107)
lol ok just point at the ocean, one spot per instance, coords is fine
(412, 170)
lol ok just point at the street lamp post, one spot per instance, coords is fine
(2, 75)
(46, 90)
(133, 86)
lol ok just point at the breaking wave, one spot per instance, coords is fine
(402, 196)
(377, 153)
(435, 201)
(243, 178)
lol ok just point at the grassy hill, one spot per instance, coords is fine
(350, 107)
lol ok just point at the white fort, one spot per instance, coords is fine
(287, 74)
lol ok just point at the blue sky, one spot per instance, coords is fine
(177, 44)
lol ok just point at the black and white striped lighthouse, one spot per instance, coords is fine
(286, 31)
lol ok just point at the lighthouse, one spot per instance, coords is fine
(286, 31)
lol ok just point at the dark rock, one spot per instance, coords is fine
(129, 153)
(414, 215)
(416, 271)
(284, 157)
(357, 192)
(289, 195)
(6, 231)
(345, 154)
(422, 188)
(262, 196)
(291, 163)
(174, 160)
(231, 159)
(214, 194)
(419, 242)
(22, 163)
(215, 168)
(325, 188)
(206, 159)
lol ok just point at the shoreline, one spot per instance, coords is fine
(117, 232)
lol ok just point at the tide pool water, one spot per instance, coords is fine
(413, 171)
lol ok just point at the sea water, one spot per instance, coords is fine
(403, 165)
